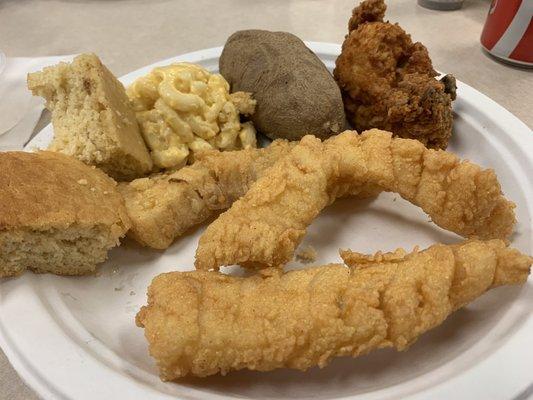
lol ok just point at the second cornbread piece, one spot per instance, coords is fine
(92, 117)
(56, 214)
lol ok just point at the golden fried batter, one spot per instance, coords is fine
(164, 206)
(268, 223)
(202, 323)
(265, 226)
(388, 82)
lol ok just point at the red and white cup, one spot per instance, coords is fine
(508, 31)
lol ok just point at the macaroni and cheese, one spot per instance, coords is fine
(183, 109)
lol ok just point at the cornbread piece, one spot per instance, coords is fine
(56, 214)
(203, 323)
(164, 206)
(92, 117)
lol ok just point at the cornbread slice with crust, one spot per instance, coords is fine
(57, 214)
(92, 118)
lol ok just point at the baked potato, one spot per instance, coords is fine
(296, 95)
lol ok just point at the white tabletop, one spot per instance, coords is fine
(128, 34)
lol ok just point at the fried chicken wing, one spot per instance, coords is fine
(264, 227)
(203, 323)
(388, 82)
(164, 206)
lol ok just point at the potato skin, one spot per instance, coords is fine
(296, 95)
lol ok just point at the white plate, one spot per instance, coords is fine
(2, 61)
(75, 338)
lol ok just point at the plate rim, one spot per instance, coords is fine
(519, 138)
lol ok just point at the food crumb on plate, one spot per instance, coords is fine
(306, 254)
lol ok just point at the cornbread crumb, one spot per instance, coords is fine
(49, 222)
(85, 100)
(306, 254)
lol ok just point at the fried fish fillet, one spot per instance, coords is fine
(203, 323)
(265, 226)
(164, 206)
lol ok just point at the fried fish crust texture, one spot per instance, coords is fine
(203, 323)
(164, 206)
(264, 227)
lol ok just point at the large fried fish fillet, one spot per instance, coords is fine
(265, 226)
(202, 323)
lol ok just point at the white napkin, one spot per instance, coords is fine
(19, 110)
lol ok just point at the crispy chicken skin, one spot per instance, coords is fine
(264, 227)
(388, 82)
(203, 323)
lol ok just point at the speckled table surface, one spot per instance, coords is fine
(128, 34)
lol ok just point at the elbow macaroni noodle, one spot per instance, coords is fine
(183, 109)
